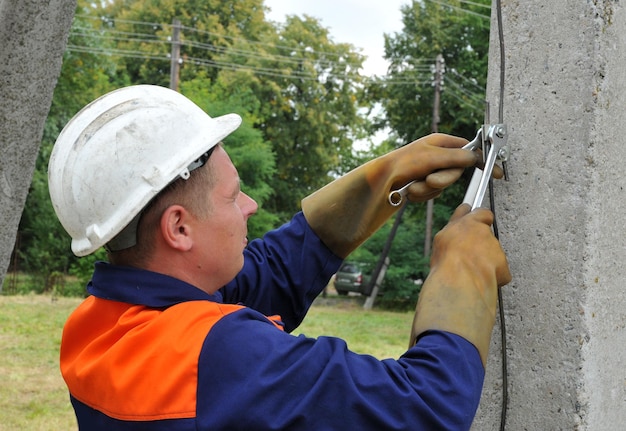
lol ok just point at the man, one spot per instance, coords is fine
(188, 326)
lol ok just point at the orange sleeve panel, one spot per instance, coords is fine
(134, 363)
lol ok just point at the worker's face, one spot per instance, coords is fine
(222, 235)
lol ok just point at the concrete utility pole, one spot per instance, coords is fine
(33, 35)
(561, 217)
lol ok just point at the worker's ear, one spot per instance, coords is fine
(175, 228)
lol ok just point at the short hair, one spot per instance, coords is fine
(190, 193)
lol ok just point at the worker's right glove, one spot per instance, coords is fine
(349, 210)
(461, 292)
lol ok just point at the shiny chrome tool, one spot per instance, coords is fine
(493, 144)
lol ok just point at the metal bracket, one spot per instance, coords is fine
(493, 143)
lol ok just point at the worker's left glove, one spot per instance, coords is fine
(460, 293)
(350, 209)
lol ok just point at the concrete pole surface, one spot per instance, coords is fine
(33, 35)
(560, 217)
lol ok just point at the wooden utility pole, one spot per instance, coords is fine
(383, 261)
(438, 83)
(175, 55)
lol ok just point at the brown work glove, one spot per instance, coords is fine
(460, 294)
(350, 209)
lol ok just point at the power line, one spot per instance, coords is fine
(462, 101)
(465, 91)
(470, 81)
(143, 38)
(472, 3)
(203, 62)
(281, 60)
(265, 71)
(189, 30)
(116, 52)
(110, 35)
(446, 4)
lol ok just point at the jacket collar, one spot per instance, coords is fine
(142, 287)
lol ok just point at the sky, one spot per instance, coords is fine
(361, 23)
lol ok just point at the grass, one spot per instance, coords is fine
(34, 397)
(32, 392)
(383, 334)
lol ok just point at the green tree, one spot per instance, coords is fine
(252, 156)
(143, 29)
(459, 31)
(311, 108)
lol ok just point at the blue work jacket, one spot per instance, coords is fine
(149, 352)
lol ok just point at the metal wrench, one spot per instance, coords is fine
(495, 140)
(495, 148)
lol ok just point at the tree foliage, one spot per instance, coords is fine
(311, 115)
(459, 31)
(209, 28)
(302, 98)
(250, 153)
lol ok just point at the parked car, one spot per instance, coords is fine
(351, 278)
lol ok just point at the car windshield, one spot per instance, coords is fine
(349, 268)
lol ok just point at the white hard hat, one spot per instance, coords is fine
(119, 152)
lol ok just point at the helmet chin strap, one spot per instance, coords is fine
(126, 238)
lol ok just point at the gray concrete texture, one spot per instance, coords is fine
(33, 35)
(560, 217)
